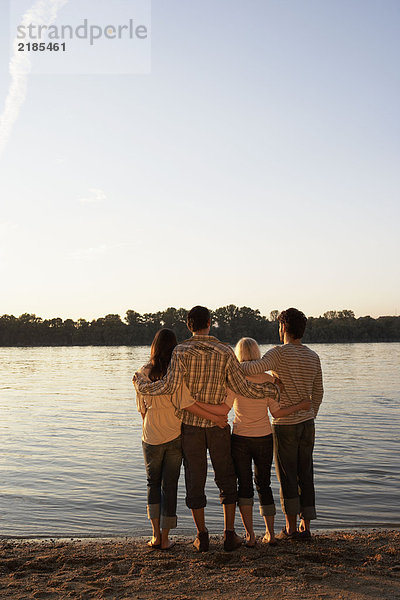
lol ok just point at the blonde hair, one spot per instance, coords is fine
(247, 349)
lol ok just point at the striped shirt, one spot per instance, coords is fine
(299, 369)
(208, 367)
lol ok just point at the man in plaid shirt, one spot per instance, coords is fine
(208, 367)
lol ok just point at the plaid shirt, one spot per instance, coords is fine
(208, 367)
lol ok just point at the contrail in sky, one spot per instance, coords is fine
(43, 12)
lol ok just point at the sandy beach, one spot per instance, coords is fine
(353, 565)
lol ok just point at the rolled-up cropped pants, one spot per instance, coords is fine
(195, 443)
(294, 446)
(245, 452)
(163, 467)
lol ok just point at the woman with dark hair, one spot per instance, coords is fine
(161, 440)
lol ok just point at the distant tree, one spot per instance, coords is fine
(112, 320)
(230, 323)
(54, 322)
(82, 332)
(8, 319)
(8, 330)
(26, 318)
(273, 315)
(175, 319)
(133, 317)
(339, 314)
(113, 330)
(233, 323)
(248, 323)
(331, 314)
(82, 324)
(346, 314)
(69, 328)
(69, 324)
(224, 318)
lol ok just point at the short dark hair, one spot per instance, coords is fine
(295, 322)
(198, 318)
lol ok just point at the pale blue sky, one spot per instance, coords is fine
(257, 164)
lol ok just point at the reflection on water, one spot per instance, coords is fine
(71, 460)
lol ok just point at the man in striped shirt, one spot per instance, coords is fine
(208, 367)
(299, 369)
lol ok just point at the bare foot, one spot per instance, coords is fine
(154, 543)
(168, 545)
(269, 539)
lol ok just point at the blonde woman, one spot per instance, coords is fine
(252, 443)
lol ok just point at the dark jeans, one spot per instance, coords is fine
(195, 442)
(163, 467)
(294, 446)
(245, 450)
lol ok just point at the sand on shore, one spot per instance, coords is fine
(345, 565)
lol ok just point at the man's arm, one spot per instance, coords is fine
(239, 384)
(318, 390)
(215, 409)
(197, 409)
(277, 412)
(167, 385)
(269, 362)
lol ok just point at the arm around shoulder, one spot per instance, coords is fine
(168, 384)
(269, 362)
(237, 381)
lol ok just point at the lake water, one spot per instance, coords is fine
(71, 462)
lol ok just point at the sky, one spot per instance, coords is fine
(254, 161)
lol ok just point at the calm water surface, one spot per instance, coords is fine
(71, 460)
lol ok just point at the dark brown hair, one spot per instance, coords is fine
(295, 322)
(198, 318)
(160, 354)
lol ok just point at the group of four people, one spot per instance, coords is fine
(184, 395)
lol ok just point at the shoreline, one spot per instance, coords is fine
(184, 535)
(187, 534)
(347, 564)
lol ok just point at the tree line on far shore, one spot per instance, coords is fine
(229, 324)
